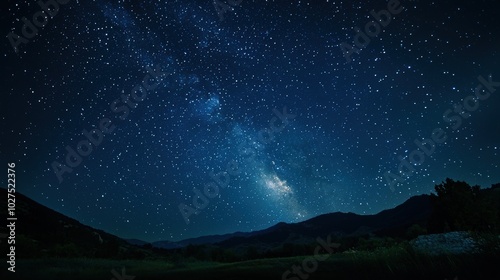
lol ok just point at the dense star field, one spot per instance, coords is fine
(164, 120)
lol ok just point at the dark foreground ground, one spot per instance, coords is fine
(398, 262)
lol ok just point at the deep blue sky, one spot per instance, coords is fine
(224, 81)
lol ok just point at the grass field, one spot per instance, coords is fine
(398, 262)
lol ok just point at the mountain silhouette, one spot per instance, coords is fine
(47, 228)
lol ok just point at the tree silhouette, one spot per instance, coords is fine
(458, 206)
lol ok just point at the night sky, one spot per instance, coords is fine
(260, 96)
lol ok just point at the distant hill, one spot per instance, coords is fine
(136, 242)
(388, 223)
(43, 232)
(209, 239)
(392, 222)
